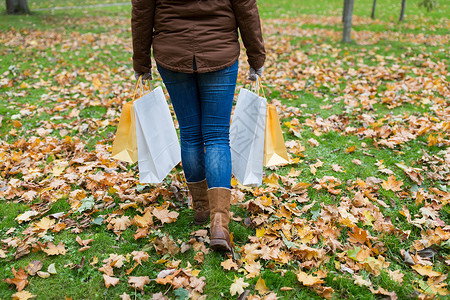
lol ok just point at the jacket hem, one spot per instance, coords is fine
(199, 69)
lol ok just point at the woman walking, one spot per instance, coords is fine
(196, 47)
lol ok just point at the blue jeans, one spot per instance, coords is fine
(202, 103)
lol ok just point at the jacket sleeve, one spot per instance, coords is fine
(142, 18)
(247, 17)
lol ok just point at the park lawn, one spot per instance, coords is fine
(352, 115)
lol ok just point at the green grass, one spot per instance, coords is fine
(67, 49)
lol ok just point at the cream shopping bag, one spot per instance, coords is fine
(247, 132)
(157, 141)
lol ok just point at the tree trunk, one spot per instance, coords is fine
(347, 16)
(17, 7)
(343, 12)
(402, 13)
(374, 5)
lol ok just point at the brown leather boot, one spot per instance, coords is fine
(200, 201)
(219, 202)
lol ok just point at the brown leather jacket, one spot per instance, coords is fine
(205, 30)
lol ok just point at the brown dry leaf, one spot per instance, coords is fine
(33, 267)
(138, 282)
(143, 221)
(164, 215)
(261, 286)
(140, 256)
(125, 296)
(19, 279)
(337, 168)
(392, 184)
(23, 295)
(396, 276)
(55, 250)
(308, 280)
(107, 269)
(359, 280)
(197, 283)
(120, 224)
(313, 142)
(83, 243)
(229, 264)
(110, 281)
(357, 162)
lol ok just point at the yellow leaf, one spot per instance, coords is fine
(261, 286)
(23, 295)
(308, 280)
(392, 184)
(426, 271)
(260, 232)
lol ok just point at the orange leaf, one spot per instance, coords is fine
(19, 280)
(358, 235)
(392, 184)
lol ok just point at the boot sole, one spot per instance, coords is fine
(220, 246)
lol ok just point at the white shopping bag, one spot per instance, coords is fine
(157, 141)
(247, 138)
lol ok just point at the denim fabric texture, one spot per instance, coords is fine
(202, 103)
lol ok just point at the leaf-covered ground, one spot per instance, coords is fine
(361, 212)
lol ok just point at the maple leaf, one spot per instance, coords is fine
(45, 223)
(358, 235)
(426, 271)
(308, 280)
(164, 215)
(110, 281)
(392, 184)
(19, 280)
(125, 296)
(197, 283)
(22, 295)
(140, 256)
(237, 287)
(143, 221)
(138, 282)
(229, 264)
(313, 142)
(55, 250)
(120, 224)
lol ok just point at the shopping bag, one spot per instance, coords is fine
(124, 145)
(247, 138)
(157, 141)
(275, 152)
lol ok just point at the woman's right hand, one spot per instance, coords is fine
(145, 76)
(255, 73)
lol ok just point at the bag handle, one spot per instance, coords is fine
(257, 87)
(139, 84)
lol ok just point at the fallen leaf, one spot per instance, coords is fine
(238, 285)
(110, 281)
(138, 282)
(19, 279)
(261, 286)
